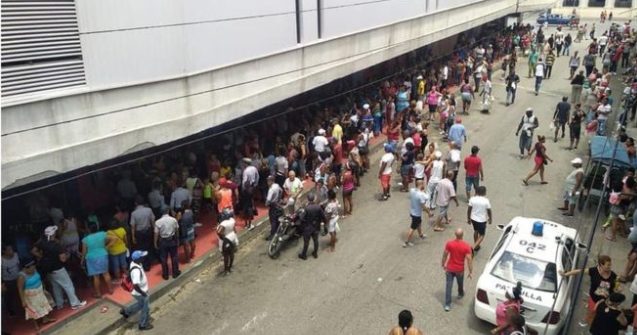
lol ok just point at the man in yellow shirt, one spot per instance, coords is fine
(337, 130)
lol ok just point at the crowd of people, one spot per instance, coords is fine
(145, 211)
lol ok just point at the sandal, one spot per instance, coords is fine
(611, 239)
(439, 229)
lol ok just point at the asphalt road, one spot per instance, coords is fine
(360, 288)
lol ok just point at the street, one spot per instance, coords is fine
(362, 286)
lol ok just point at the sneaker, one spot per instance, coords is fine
(407, 244)
(251, 227)
(447, 308)
(423, 236)
(123, 314)
(59, 307)
(147, 327)
(622, 217)
(80, 305)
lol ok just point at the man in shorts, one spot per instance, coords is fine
(446, 193)
(478, 214)
(418, 201)
(384, 173)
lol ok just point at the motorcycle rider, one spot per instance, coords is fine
(311, 219)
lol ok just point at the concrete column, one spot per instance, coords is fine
(583, 4)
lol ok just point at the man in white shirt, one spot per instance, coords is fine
(167, 241)
(384, 173)
(444, 76)
(603, 111)
(140, 291)
(539, 75)
(292, 187)
(406, 139)
(320, 141)
(478, 214)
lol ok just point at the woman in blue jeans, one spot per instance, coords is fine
(378, 119)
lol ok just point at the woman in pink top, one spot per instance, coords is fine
(506, 309)
(432, 102)
(347, 181)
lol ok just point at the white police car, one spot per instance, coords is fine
(531, 251)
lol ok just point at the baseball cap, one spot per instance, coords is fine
(388, 147)
(529, 109)
(366, 106)
(321, 131)
(438, 154)
(577, 161)
(138, 254)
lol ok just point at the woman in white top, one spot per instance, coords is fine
(228, 241)
(332, 217)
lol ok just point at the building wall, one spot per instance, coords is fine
(156, 73)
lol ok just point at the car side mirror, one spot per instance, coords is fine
(500, 227)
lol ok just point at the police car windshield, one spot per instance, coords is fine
(534, 274)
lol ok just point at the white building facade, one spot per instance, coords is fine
(87, 81)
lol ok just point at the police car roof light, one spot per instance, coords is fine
(538, 228)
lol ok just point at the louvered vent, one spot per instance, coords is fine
(40, 46)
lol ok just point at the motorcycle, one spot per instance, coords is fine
(287, 229)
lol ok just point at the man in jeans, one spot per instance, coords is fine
(140, 291)
(51, 258)
(456, 252)
(473, 171)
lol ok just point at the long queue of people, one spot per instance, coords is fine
(155, 205)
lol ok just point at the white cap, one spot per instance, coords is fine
(321, 131)
(529, 109)
(366, 106)
(438, 154)
(577, 161)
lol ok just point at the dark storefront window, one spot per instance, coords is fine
(596, 3)
(623, 3)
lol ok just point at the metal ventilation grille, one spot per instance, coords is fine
(40, 46)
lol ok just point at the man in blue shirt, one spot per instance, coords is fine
(457, 133)
(418, 201)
